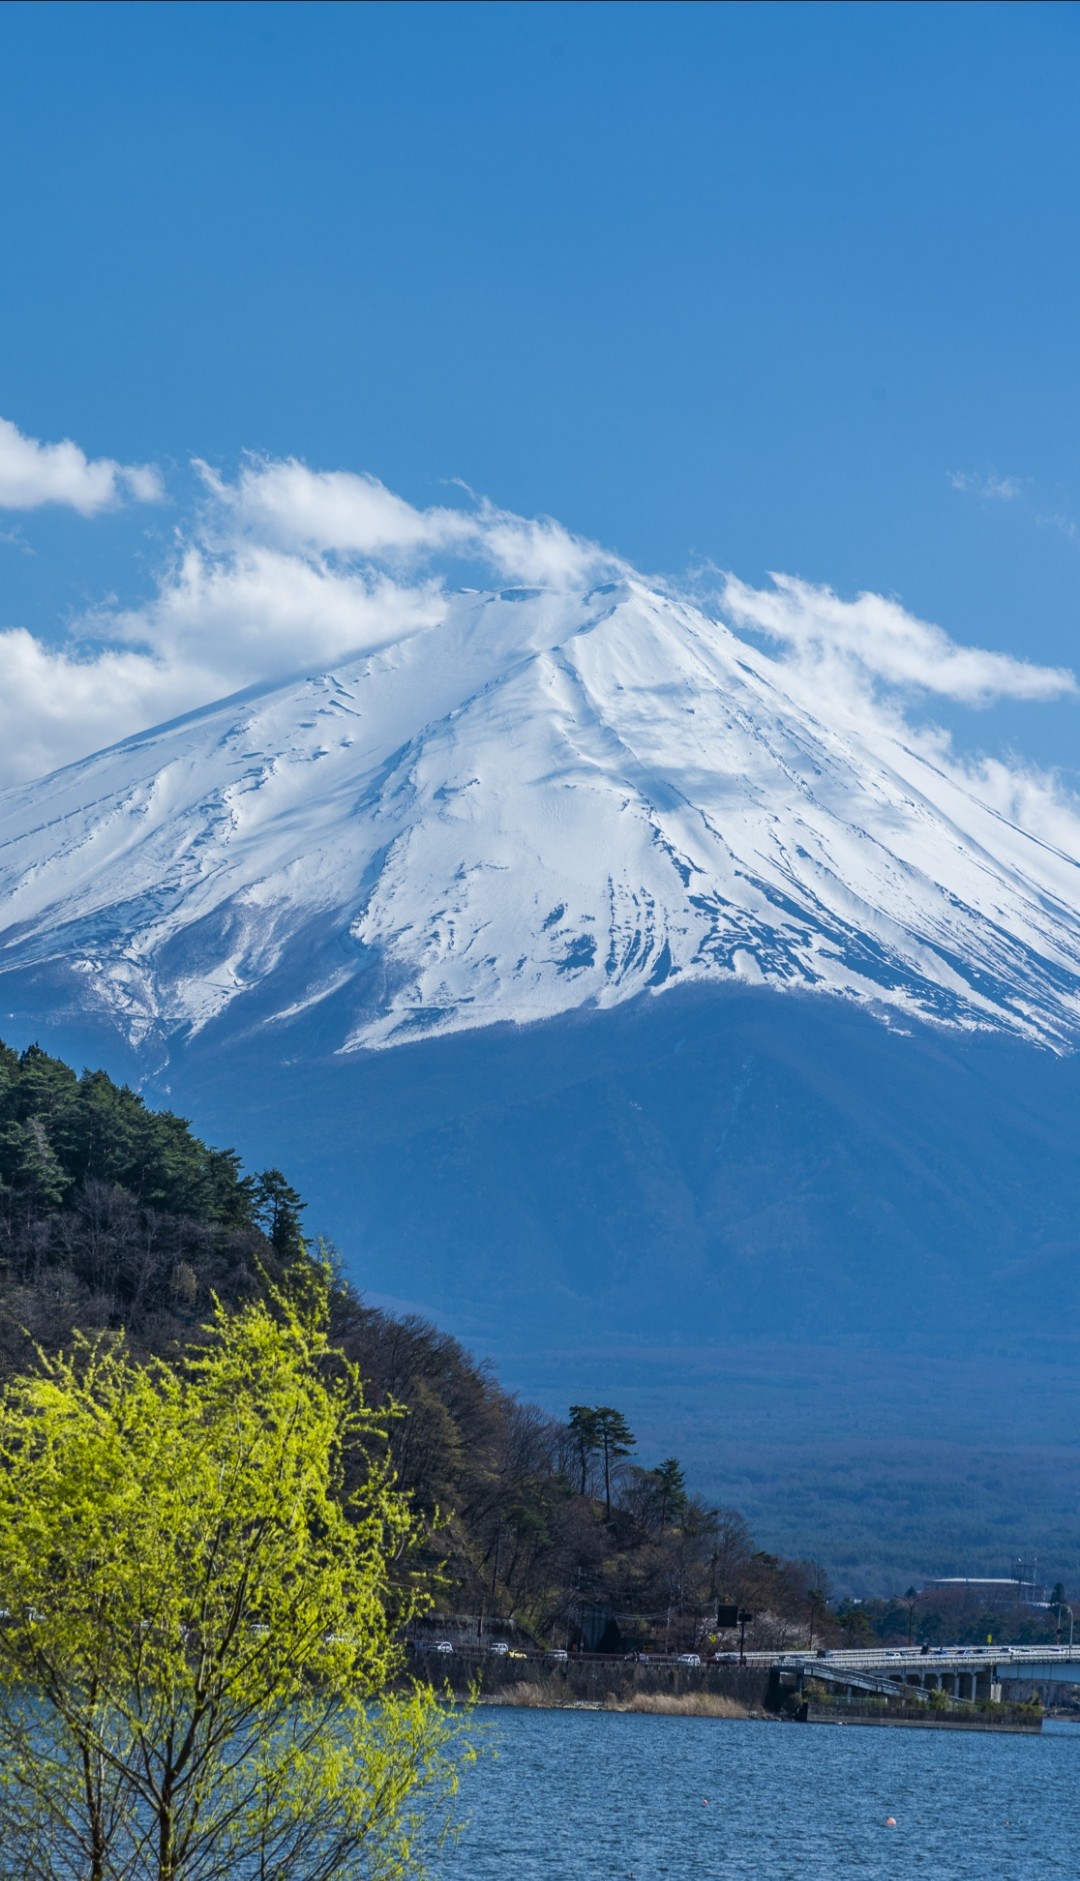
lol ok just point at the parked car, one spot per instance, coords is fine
(725, 1658)
(516, 1653)
(559, 1653)
(688, 1658)
(442, 1645)
(499, 1647)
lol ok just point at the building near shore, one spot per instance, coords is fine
(1007, 1589)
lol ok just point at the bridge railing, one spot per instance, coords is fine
(950, 1658)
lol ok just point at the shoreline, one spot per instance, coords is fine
(529, 1695)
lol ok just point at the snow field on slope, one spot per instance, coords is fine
(540, 803)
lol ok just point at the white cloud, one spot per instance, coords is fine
(333, 510)
(1064, 524)
(540, 552)
(33, 474)
(55, 706)
(287, 568)
(344, 513)
(215, 626)
(254, 612)
(1016, 489)
(878, 640)
(996, 489)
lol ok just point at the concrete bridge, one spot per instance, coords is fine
(966, 1674)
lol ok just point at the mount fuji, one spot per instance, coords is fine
(675, 1030)
(540, 805)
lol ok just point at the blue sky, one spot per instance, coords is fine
(775, 287)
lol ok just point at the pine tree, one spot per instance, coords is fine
(615, 1439)
(30, 1166)
(671, 1490)
(583, 1430)
(278, 1208)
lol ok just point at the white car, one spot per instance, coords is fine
(442, 1645)
(688, 1658)
(499, 1647)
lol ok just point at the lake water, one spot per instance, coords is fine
(586, 1795)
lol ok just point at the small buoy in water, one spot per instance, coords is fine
(890, 1822)
(704, 1802)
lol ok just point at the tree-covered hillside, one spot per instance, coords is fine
(115, 1217)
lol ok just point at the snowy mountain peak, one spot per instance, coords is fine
(543, 802)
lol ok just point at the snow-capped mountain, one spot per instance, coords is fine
(719, 1209)
(543, 802)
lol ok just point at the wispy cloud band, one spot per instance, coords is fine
(882, 640)
(282, 568)
(993, 488)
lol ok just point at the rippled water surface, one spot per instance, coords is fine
(588, 1795)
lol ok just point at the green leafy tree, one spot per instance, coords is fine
(199, 1643)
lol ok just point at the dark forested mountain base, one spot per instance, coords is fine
(117, 1220)
(834, 1267)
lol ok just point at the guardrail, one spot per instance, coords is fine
(555, 1656)
(939, 1658)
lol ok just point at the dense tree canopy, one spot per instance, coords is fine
(113, 1214)
(202, 1617)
